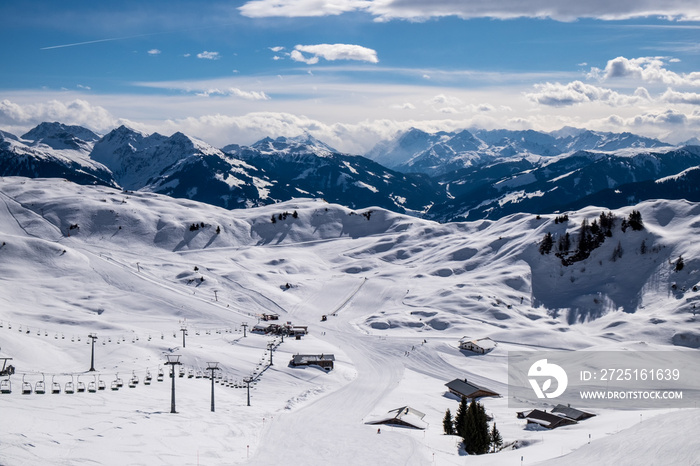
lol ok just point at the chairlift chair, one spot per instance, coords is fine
(81, 386)
(190, 373)
(134, 381)
(26, 387)
(40, 386)
(198, 375)
(148, 378)
(115, 385)
(70, 387)
(5, 386)
(101, 385)
(92, 386)
(55, 386)
(120, 382)
(160, 374)
(182, 371)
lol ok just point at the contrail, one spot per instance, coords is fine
(95, 41)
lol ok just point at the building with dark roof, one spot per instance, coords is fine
(323, 360)
(571, 413)
(545, 419)
(463, 388)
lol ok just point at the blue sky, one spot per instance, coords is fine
(351, 72)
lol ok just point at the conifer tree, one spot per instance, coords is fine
(546, 244)
(448, 423)
(460, 418)
(495, 438)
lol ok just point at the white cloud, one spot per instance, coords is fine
(209, 55)
(235, 92)
(646, 69)
(154, 52)
(277, 49)
(187, 55)
(333, 52)
(418, 10)
(296, 8)
(675, 97)
(80, 86)
(577, 92)
(75, 112)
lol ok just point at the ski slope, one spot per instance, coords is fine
(398, 292)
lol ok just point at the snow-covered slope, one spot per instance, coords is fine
(134, 268)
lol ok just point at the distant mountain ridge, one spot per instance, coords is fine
(469, 174)
(439, 153)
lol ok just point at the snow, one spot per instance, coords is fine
(399, 293)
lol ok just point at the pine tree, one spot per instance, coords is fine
(635, 220)
(679, 264)
(495, 438)
(546, 244)
(564, 243)
(476, 433)
(448, 423)
(460, 418)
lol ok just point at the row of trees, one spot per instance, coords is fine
(471, 424)
(591, 236)
(283, 216)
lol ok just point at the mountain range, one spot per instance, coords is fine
(444, 176)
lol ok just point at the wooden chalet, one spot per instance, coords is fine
(463, 388)
(479, 346)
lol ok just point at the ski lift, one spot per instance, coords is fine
(198, 375)
(70, 388)
(40, 386)
(26, 387)
(134, 381)
(81, 386)
(182, 371)
(55, 386)
(92, 386)
(5, 386)
(120, 382)
(190, 374)
(101, 385)
(149, 338)
(115, 385)
(160, 374)
(46, 334)
(79, 338)
(55, 337)
(148, 378)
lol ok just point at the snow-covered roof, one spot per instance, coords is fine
(312, 358)
(404, 416)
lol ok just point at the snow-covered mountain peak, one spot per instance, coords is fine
(297, 145)
(61, 137)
